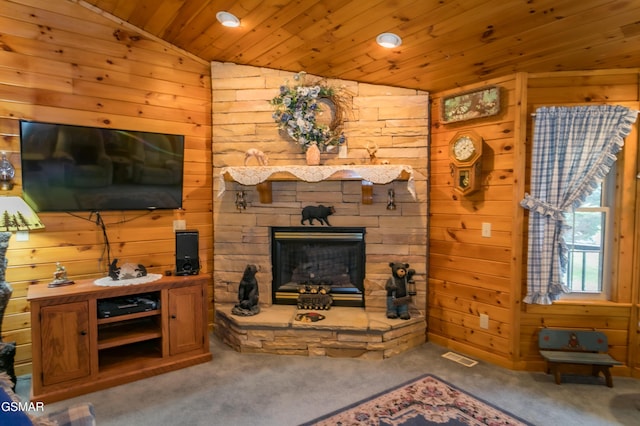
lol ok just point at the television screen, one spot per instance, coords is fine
(75, 168)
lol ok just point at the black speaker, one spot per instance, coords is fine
(187, 262)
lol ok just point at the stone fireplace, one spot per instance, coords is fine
(393, 119)
(313, 259)
(334, 257)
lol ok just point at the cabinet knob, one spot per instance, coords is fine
(173, 317)
(83, 333)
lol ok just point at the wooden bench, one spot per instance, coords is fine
(568, 348)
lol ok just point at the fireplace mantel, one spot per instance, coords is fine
(263, 176)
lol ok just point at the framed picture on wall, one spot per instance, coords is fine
(483, 102)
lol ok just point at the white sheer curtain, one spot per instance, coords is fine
(573, 150)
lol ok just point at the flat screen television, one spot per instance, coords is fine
(69, 168)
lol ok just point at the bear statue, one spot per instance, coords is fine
(398, 297)
(247, 293)
(320, 213)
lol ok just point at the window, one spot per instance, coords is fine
(589, 241)
(573, 147)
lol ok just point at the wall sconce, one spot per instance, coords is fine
(391, 199)
(241, 201)
(7, 173)
(16, 215)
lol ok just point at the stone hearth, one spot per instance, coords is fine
(346, 332)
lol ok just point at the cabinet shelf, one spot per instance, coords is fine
(135, 354)
(127, 332)
(128, 317)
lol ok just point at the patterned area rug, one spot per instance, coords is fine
(426, 400)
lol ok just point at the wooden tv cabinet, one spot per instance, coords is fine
(75, 352)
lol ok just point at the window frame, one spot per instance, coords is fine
(608, 199)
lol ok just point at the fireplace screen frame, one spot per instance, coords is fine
(285, 293)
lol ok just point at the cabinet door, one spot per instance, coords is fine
(185, 319)
(65, 342)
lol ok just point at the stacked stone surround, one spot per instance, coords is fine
(344, 333)
(394, 119)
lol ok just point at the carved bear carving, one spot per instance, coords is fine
(247, 293)
(317, 212)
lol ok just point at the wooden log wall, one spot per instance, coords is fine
(394, 119)
(61, 62)
(470, 275)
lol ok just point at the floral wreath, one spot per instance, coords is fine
(295, 110)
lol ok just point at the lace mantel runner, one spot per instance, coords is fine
(380, 174)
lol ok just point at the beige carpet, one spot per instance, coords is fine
(254, 389)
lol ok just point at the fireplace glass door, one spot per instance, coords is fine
(332, 258)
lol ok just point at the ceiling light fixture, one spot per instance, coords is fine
(228, 19)
(389, 40)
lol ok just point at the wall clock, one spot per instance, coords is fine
(465, 152)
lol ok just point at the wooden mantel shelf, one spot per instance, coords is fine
(263, 176)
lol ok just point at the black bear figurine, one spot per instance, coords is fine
(247, 293)
(317, 212)
(398, 295)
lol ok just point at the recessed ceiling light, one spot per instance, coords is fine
(389, 40)
(228, 19)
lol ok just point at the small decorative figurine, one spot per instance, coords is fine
(247, 293)
(314, 297)
(127, 271)
(371, 150)
(317, 212)
(398, 296)
(309, 317)
(260, 156)
(60, 276)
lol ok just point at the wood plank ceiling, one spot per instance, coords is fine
(446, 43)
